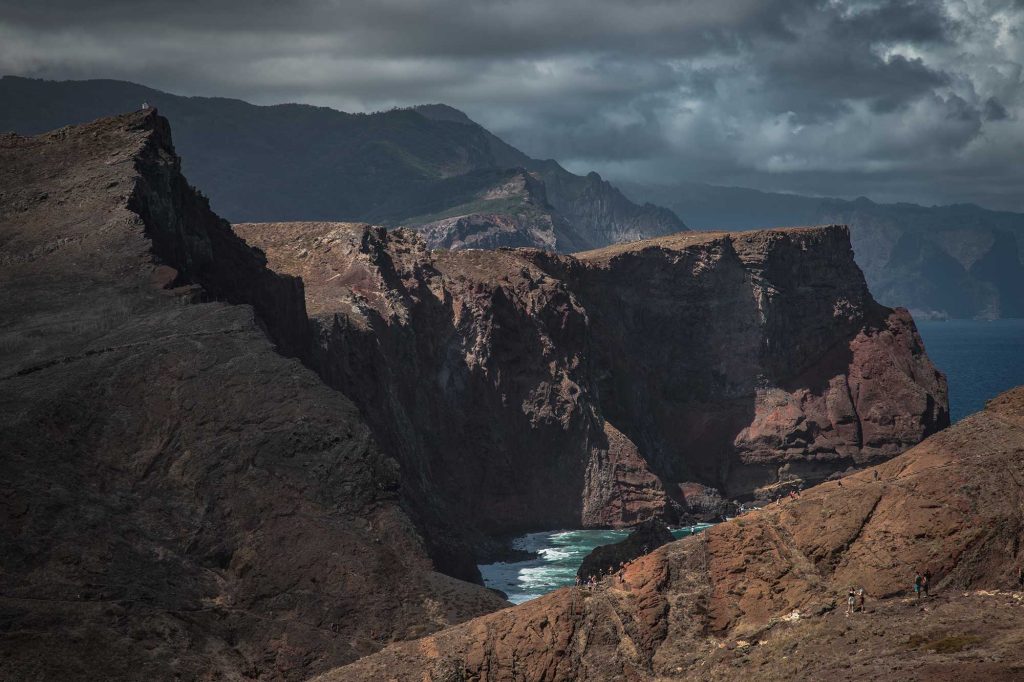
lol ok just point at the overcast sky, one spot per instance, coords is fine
(892, 99)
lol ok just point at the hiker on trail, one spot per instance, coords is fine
(860, 599)
(851, 599)
(918, 579)
(926, 583)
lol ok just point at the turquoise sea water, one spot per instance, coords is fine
(560, 554)
(981, 359)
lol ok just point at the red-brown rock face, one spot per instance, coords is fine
(522, 389)
(473, 368)
(756, 597)
(746, 359)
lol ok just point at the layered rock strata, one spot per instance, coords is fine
(178, 499)
(758, 597)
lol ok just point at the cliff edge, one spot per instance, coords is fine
(522, 389)
(178, 498)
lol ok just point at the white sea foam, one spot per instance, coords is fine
(560, 554)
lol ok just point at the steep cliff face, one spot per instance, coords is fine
(748, 359)
(757, 597)
(178, 499)
(521, 389)
(473, 368)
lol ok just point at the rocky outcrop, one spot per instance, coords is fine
(757, 597)
(606, 559)
(473, 368)
(521, 389)
(744, 360)
(178, 499)
(705, 504)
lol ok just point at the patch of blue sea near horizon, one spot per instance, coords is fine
(980, 358)
(559, 555)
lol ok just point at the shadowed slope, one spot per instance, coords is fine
(177, 498)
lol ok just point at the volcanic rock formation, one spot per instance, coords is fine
(521, 389)
(756, 597)
(472, 367)
(178, 499)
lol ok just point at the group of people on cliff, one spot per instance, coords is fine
(922, 583)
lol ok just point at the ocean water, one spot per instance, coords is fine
(981, 359)
(560, 554)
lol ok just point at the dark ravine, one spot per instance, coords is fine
(522, 389)
(178, 499)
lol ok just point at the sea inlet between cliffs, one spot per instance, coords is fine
(559, 555)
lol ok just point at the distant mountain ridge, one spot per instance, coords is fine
(958, 261)
(399, 167)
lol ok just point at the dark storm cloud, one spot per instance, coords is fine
(827, 96)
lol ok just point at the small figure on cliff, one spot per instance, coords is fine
(145, 106)
(918, 580)
(851, 599)
(926, 581)
(860, 599)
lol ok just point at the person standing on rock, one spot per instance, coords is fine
(926, 582)
(860, 599)
(918, 580)
(851, 599)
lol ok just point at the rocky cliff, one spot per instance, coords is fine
(473, 367)
(758, 597)
(178, 499)
(749, 359)
(521, 389)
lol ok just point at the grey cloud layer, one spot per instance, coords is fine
(896, 99)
